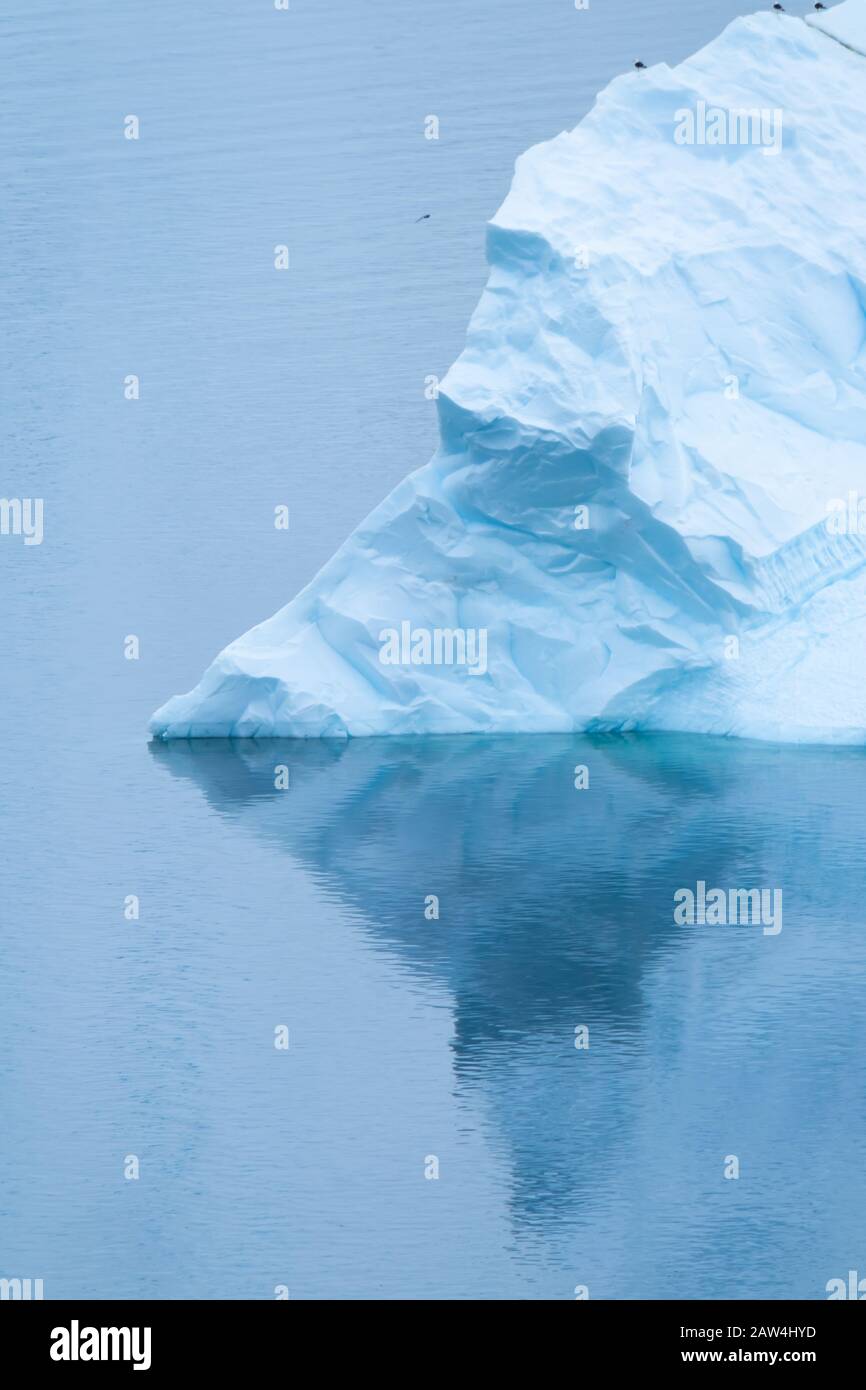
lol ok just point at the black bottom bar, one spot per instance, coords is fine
(161, 1338)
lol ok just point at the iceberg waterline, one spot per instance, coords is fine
(648, 448)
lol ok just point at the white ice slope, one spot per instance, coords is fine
(672, 337)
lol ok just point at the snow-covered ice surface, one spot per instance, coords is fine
(845, 22)
(671, 338)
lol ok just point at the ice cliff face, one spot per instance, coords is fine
(644, 512)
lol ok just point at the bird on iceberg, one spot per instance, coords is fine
(780, 9)
(819, 6)
(639, 64)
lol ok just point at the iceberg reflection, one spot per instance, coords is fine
(556, 913)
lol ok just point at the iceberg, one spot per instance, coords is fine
(645, 509)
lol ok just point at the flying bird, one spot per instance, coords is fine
(423, 217)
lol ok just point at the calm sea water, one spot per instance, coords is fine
(409, 1038)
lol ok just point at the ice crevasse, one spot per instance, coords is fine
(644, 512)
